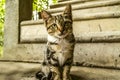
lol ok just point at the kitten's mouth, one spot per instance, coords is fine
(62, 35)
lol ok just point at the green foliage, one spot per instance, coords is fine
(42, 4)
(39, 5)
(2, 13)
(54, 1)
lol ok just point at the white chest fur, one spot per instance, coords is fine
(63, 50)
(52, 39)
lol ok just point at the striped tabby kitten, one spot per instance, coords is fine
(60, 45)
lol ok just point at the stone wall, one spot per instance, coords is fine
(96, 27)
(16, 11)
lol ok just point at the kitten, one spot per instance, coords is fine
(60, 45)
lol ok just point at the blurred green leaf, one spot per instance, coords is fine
(2, 16)
(39, 5)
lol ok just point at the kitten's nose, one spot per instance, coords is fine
(60, 33)
(60, 28)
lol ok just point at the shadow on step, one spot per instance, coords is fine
(75, 77)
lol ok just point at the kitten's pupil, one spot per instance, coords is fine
(54, 25)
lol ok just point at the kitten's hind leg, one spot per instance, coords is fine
(66, 72)
(56, 73)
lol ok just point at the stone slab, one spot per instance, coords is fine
(97, 30)
(14, 15)
(15, 50)
(86, 54)
(85, 73)
(18, 71)
(26, 71)
(87, 5)
(98, 54)
(94, 13)
(62, 3)
(25, 52)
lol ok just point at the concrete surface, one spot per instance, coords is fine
(88, 54)
(96, 45)
(99, 29)
(26, 71)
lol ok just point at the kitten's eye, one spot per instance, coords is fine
(51, 26)
(54, 25)
(67, 23)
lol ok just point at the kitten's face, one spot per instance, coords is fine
(60, 25)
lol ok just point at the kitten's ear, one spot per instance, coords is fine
(68, 9)
(45, 15)
(68, 12)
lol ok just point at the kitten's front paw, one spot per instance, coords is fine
(39, 75)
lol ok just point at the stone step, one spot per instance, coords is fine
(92, 10)
(99, 31)
(63, 3)
(95, 13)
(93, 22)
(87, 5)
(18, 71)
(96, 26)
(26, 71)
(95, 41)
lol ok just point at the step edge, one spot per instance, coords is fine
(85, 37)
(68, 2)
(83, 17)
(89, 5)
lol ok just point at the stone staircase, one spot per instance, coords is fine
(96, 27)
(97, 52)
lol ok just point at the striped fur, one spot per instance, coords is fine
(60, 45)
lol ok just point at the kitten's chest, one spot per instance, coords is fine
(60, 44)
(63, 49)
(64, 44)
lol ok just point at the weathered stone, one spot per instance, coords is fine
(87, 5)
(14, 14)
(18, 71)
(98, 54)
(96, 30)
(26, 42)
(27, 71)
(101, 30)
(59, 4)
